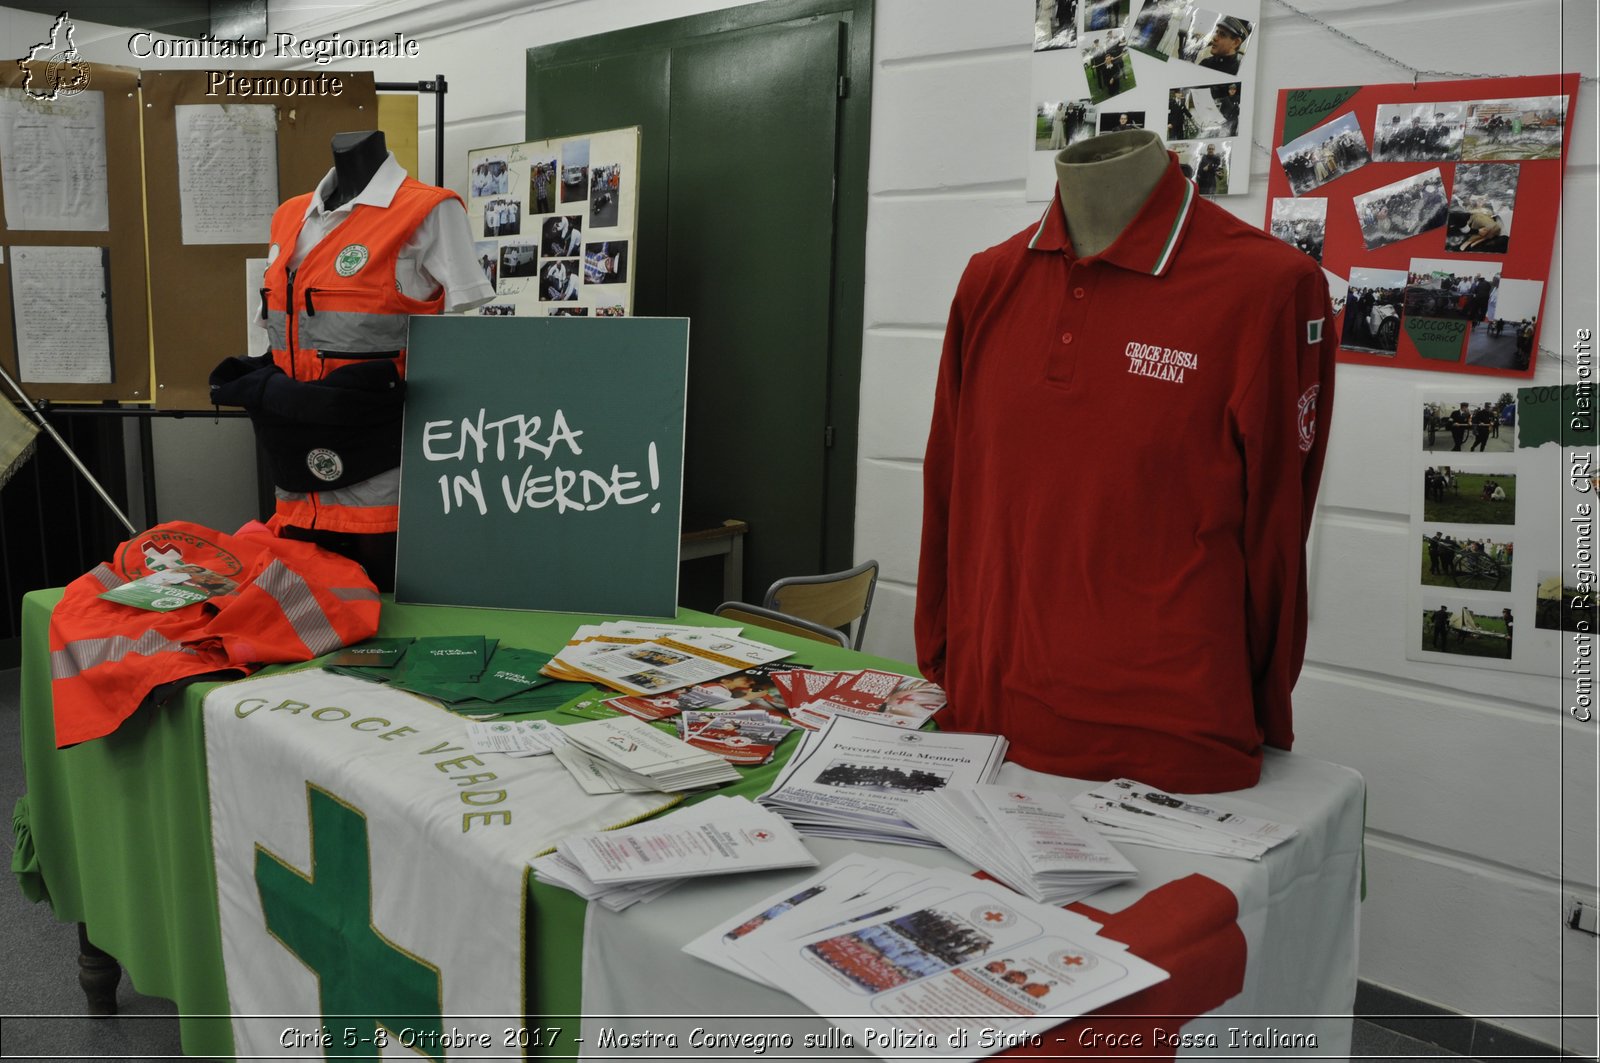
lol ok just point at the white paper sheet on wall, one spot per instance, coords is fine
(53, 162)
(227, 172)
(60, 298)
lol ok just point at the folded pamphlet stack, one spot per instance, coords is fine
(1129, 811)
(639, 754)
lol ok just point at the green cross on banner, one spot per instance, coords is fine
(364, 980)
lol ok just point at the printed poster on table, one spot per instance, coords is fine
(553, 224)
(1432, 208)
(1183, 68)
(1492, 583)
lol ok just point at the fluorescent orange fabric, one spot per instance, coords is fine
(293, 601)
(340, 305)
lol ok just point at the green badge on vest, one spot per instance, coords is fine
(352, 258)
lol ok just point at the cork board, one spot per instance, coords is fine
(198, 302)
(123, 241)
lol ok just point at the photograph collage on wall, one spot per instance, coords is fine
(1483, 566)
(554, 224)
(1432, 208)
(1185, 70)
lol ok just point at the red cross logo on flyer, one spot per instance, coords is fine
(1072, 961)
(994, 917)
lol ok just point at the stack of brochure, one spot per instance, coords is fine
(1128, 811)
(906, 960)
(1032, 841)
(855, 780)
(720, 836)
(646, 659)
(870, 695)
(643, 757)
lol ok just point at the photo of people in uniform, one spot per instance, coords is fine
(1481, 207)
(1505, 339)
(1482, 425)
(562, 236)
(1422, 132)
(1454, 559)
(1215, 41)
(1104, 14)
(575, 171)
(502, 217)
(1372, 309)
(567, 311)
(487, 252)
(1055, 24)
(1331, 150)
(1203, 112)
(1205, 162)
(1160, 28)
(1106, 64)
(491, 177)
(1121, 121)
(1452, 495)
(1515, 130)
(558, 281)
(1480, 628)
(1301, 223)
(1452, 288)
(1409, 207)
(605, 183)
(1060, 124)
(1560, 605)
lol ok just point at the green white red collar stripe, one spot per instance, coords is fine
(1177, 229)
(1149, 243)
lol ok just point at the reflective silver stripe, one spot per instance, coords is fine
(80, 655)
(354, 594)
(380, 490)
(277, 329)
(346, 330)
(300, 606)
(107, 578)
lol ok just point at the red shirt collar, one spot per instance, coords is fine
(1149, 243)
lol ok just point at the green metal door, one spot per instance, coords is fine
(739, 164)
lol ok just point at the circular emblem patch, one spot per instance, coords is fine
(1308, 417)
(351, 259)
(163, 549)
(325, 465)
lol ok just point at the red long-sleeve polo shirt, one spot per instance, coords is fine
(1120, 476)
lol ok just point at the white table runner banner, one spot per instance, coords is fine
(371, 868)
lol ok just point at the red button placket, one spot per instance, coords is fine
(1071, 318)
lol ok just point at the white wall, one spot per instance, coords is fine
(1468, 770)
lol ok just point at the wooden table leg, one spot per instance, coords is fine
(98, 974)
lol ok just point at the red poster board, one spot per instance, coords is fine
(1423, 333)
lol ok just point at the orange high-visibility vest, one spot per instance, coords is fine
(292, 601)
(343, 304)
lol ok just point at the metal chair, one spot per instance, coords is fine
(773, 620)
(834, 600)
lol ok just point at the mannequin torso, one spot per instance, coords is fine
(1104, 181)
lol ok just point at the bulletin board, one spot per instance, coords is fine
(199, 310)
(1433, 208)
(127, 377)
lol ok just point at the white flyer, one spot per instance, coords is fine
(735, 836)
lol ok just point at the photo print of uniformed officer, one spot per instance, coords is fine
(1055, 24)
(1477, 495)
(1216, 41)
(543, 178)
(1159, 28)
(562, 236)
(519, 260)
(1455, 557)
(1420, 132)
(1121, 121)
(1514, 130)
(1408, 207)
(575, 171)
(1301, 223)
(558, 281)
(1479, 628)
(1481, 204)
(1205, 162)
(1372, 307)
(1104, 14)
(1505, 339)
(487, 252)
(491, 177)
(1460, 289)
(606, 263)
(1331, 150)
(605, 184)
(1476, 423)
(1106, 64)
(1060, 124)
(502, 217)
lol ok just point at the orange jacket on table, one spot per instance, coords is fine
(340, 306)
(292, 601)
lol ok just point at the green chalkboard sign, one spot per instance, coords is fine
(543, 464)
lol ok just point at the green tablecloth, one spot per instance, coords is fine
(123, 831)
